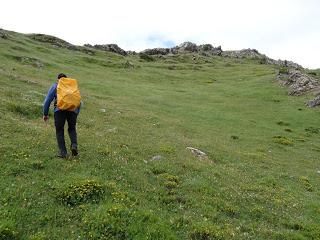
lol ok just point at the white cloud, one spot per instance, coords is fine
(281, 29)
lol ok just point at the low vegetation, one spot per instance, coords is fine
(134, 177)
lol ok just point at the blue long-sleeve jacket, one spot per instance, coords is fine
(52, 95)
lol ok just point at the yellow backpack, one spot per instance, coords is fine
(68, 94)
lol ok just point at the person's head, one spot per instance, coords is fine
(61, 75)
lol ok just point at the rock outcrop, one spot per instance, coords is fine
(244, 53)
(51, 39)
(108, 48)
(285, 63)
(297, 81)
(157, 51)
(186, 47)
(3, 34)
(57, 42)
(315, 102)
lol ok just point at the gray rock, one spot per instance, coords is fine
(51, 39)
(3, 34)
(108, 48)
(315, 102)
(156, 158)
(157, 51)
(132, 53)
(217, 51)
(244, 53)
(289, 64)
(198, 153)
(59, 43)
(298, 82)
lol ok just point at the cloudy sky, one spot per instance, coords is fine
(285, 29)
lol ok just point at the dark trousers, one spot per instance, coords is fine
(60, 118)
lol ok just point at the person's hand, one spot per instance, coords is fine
(45, 118)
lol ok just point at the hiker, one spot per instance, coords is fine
(66, 97)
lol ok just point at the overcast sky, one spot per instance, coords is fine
(285, 29)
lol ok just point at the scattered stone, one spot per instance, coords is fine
(315, 102)
(318, 171)
(112, 130)
(297, 81)
(108, 48)
(103, 110)
(156, 158)
(198, 153)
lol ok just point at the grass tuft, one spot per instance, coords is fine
(282, 140)
(81, 192)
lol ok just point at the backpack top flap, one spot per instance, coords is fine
(68, 94)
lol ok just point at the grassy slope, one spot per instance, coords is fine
(255, 189)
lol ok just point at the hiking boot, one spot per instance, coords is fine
(74, 150)
(60, 155)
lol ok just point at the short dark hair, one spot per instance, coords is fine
(61, 75)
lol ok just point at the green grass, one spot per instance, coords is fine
(260, 182)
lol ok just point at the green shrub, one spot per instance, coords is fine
(282, 123)
(169, 177)
(207, 232)
(172, 199)
(120, 222)
(37, 165)
(263, 60)
(7, 231)
(29, 110)
(146, 57)
(313, 130)
(284, 70)
(282, 140)
(82, 192)
(305, 181)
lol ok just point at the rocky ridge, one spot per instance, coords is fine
(290, 74)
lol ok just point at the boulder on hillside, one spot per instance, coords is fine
(297, 81)
(288, 64)
(3, 34)
(315, 102)
(108, 48)
(198, 153)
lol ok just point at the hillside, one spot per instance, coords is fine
(135, 177)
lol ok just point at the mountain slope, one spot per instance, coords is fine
(134, 178)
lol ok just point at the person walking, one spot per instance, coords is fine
(67, 101)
